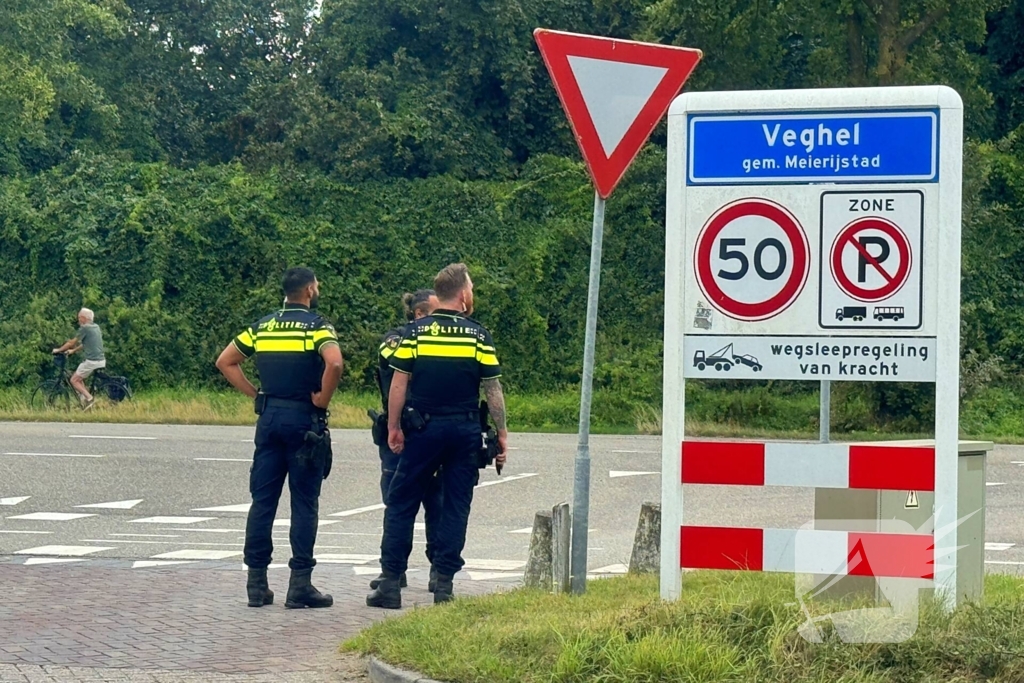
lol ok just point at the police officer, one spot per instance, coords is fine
(299, 365)
(417, 305)
(440, 365)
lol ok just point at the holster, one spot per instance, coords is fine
(413, 420)
(379, 428)
(260, 403)
(488, 441)
(316, 446)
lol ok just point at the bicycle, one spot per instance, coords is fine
(57, 392)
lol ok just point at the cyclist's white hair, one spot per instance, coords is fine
(87, 314)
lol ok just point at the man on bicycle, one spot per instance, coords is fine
(90, 339)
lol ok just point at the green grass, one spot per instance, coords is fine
(994, 413)
(726, 627)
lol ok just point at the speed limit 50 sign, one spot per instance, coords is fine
(751, 259)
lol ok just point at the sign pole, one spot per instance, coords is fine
(581, 475)
(825, 411)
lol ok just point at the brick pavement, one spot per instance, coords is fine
(71, 623)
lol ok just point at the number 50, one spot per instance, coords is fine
(726, 252)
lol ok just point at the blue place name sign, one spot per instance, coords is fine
(838, 147)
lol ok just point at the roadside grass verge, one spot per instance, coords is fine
(726, 627)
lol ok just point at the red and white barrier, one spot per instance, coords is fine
(809, 551)
(908, 468)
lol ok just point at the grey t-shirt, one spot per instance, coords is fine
(92, 341)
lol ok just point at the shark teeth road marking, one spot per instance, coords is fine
(356, 511)
(615, 474)
(58, 455)
(115, 505)
(14, 500)
(171, 520)
(240, 507)
(143, 564)
(98, 436)
(611, 569)
(494, 565)
(194, 554)
(62, 550)
(524, 530)
(491, 576)
(52, 516)
(52, 560)
(380, 506)
(999, 546)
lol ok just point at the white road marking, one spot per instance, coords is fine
(494, 565)
(366, 571)
(53, 516)
(1004, 562)
(171, 520)
(114, 505)
(52, 560)
(137, 542)
(346, 558)
(995, 483)
(611, 569)
(59, 455)
(148, 535)
(615, 474)
(635, 451)
(97, 436)
(524, 530)
(322, 522)
(142, 564)
(12, 531)
(209, 531)
(62, 550)
(195, 554)
(224, 459)
(356, 511)
(491, 576)
(240, 507)
(999, 546)
(245, 567)
(506, 480)
(14, 500)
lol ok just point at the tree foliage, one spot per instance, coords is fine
(164, 160)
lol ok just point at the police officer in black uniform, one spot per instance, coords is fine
(440, 366)
(299, 365)
(417, 305)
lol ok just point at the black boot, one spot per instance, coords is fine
(257, 588)
(388, 593)
(432, 581)
(301, 592)
(443, 589)
(401, 581)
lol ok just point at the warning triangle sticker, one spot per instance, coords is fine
(614, 92)
(912, 501)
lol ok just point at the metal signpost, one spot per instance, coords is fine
(812, 235)
(614, 92)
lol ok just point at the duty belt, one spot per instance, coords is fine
(291, 404)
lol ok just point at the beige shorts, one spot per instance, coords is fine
(87, 367)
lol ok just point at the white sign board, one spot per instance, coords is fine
(814, 234)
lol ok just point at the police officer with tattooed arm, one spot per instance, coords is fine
(299, 364)
(440, 366)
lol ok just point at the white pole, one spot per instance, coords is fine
(581, 478)
(825, 411)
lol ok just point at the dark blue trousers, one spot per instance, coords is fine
(448, 447)
(279, 434)
(431, 497)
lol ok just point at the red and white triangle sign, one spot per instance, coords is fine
(614, 93)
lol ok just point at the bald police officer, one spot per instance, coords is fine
(299, 364)
(440, 366)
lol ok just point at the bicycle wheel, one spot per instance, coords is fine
(117, 389)
(52, 393)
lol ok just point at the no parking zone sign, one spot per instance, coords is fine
(813, 235)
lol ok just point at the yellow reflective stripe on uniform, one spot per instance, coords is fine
(486, 358)
(245, 339)
(445, 351)
(282, 345)
(425, 339)
(406, 350)
(386, 352)
(291, 334)
(323, 335)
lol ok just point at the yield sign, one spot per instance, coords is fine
(614, 92)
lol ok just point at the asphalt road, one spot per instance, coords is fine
(179, 493)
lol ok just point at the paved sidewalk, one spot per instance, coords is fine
(74, 623)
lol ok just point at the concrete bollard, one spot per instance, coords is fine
(561, 546)
(538, 566)
(646, 557)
